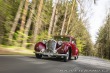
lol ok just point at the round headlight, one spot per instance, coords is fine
(42, 50)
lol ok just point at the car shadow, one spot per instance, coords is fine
(50, 59)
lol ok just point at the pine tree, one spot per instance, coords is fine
(73, 6)
(37, 22)
(52, 19)
(28, 24)
(103, 40)
(14, 25)
(23, 20)
(64, 21)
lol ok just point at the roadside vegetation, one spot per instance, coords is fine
(103, 40)
(13, 50)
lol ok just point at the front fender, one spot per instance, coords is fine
(63, 49)
(39, 46)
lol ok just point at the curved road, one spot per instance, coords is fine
(29, 64)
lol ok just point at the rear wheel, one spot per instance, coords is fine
(76, 57)
(38, 56)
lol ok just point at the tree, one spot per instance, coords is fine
(28, 24)
(94, 1)
(52, 19)
(37, 22)
(8, 11)
(74, 2)
(14, 25)
(65, 16)
(103, 40)
(23, 20)
(55, 22)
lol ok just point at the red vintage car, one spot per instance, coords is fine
(58, 46)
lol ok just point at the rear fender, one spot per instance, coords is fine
(76, 52)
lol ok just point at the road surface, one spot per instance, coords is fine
(29, 64)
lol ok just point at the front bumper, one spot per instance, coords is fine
(50, 54)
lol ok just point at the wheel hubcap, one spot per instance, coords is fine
(67, 55)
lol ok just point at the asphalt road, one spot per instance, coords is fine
(29, 64)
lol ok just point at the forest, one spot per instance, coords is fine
(25, 22)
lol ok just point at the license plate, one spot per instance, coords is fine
(48, 54)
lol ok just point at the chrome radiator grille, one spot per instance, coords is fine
(51, 45)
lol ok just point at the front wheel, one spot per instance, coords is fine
(66, 58)
(38, 56)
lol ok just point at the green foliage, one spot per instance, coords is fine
(103, 40)
(46, 14)
(42, 36)
(8, 9)
(80, 45)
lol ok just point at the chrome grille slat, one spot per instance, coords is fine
(50, 46)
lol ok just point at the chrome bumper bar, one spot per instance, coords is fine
(50, 54)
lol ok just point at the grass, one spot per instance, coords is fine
(13, 50)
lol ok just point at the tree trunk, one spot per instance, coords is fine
(36, 25)
(24, 16)
(14, 25)
(28, 24)
(65, 16)
(20, 36)
(52, 19)
(55, 22)
(74, 2)
(94, 1)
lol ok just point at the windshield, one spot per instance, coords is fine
(61, 38)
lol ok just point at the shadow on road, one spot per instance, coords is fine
(50, 59)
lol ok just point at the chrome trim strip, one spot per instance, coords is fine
(50, 54)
